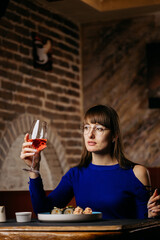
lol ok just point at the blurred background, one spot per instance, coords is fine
(60, 57)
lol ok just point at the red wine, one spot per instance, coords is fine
(38, 143)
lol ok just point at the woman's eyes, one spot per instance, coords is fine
(96, 128)
(86, 127)
(100, 129)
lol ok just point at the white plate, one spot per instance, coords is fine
(47, 217)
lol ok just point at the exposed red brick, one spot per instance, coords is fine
(25, 90)
(11, 107)
(8, 65)
(7, 116)
(48, 114)
(50, 105)
(33, 110)
(13, 16)
(72, 143)
(75, 151)
(53, 97)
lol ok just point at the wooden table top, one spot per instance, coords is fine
(106, 225)
(98, 230)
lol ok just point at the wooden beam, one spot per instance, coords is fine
(111, 5)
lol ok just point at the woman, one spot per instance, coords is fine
(105, 180)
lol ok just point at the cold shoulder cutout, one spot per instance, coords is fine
(142, 174)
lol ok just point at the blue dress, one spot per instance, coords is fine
(112, 190)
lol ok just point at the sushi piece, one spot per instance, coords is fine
(87, 210)
(56, 210)
(78, 210)
(68, 210)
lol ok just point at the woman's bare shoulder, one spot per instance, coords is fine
(142, 174)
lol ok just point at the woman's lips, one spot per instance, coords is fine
(91, 143)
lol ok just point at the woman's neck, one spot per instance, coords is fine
(106, 159)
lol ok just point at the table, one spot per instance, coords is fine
(115, 229)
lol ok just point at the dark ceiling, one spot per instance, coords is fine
(81, 12)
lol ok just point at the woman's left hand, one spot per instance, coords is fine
(154, 205)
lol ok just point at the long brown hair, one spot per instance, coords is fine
(106, 116)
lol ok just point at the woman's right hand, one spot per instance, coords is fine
(27, 154)
(154, 205)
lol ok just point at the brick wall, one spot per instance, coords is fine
(28, 93)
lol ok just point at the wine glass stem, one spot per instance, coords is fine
(32, 163)
(32, 168)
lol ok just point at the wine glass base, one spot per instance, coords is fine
(31, 170)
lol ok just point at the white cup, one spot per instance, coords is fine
(2, 214)
(23, 216)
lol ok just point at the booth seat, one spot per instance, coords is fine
(20, 201)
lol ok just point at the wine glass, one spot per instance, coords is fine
(38, 137)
